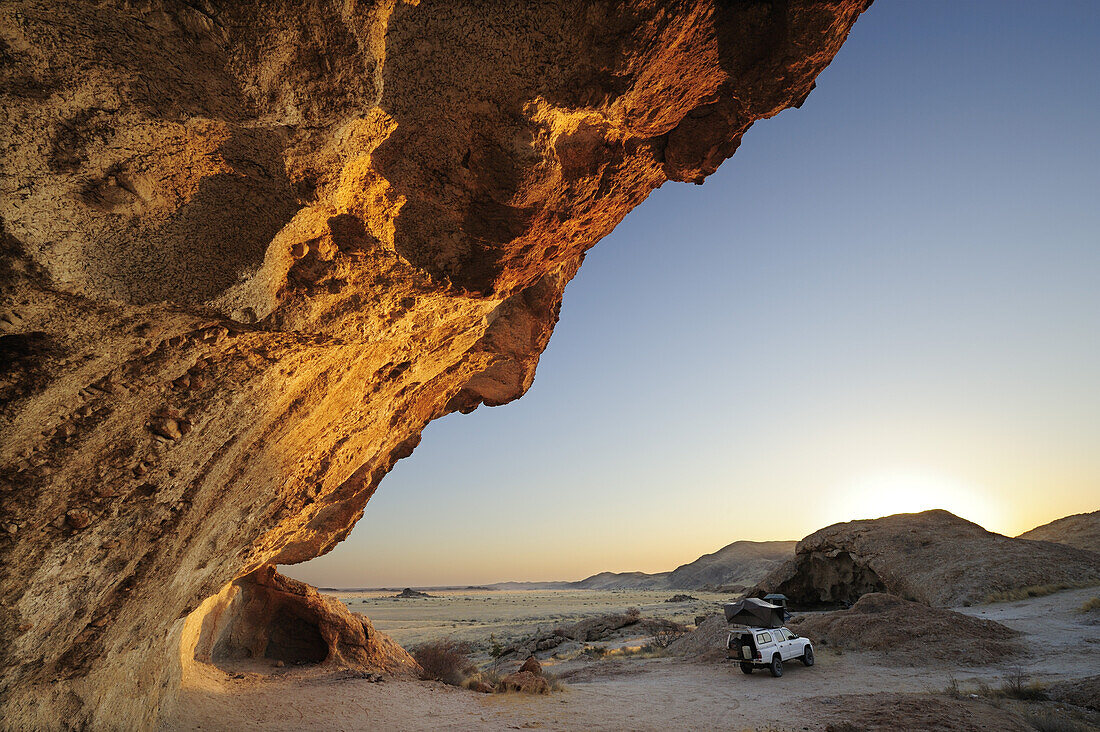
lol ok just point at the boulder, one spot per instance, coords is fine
(524, 682)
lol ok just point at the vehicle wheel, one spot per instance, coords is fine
(808, 657)
(746, 668)
(776, 666)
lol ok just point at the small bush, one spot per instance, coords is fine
(486, 676)
(953, 689)
(444, 660)
(1017, 685)
(496, 650)
(1088, 607)
(663, 632)
(634, 614)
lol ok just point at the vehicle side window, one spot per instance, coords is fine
(763, 637)
(787, 635)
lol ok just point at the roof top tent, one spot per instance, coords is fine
(776, 599)
(754, 613)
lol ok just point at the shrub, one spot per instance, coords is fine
(496, 650)
(485, 676)
(444, 660)
(1093, 604)
(663, 632)
(1017, 685)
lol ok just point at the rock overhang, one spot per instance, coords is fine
(250, 250)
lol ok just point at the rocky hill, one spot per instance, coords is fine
(249, 250)
(933, 557)
(740, 564)
(1081, 530)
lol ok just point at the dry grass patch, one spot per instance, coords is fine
(1090, 606)
(647, 650)
(1014, 685)
(1024, 593)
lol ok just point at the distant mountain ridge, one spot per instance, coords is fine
(740, 564)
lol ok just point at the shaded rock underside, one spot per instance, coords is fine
(249, 250)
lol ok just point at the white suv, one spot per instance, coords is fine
(768, 647)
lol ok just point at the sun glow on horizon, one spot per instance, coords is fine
(891, 492)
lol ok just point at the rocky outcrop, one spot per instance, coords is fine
(409, 593)
(595, 628)
(932, 557)
(1081, 530)
(910, 632)
(249, 250)
(706, 643)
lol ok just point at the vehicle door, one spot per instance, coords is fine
(788, 648)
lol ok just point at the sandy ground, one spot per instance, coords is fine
(641, 694)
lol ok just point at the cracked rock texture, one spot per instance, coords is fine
(248, 250)
(932, 557)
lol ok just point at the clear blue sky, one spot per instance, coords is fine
(885, 301)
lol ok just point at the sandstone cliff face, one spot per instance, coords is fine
(249, 250)
(932, 557)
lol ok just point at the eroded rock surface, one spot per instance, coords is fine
(249, 250)
(932, 557)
